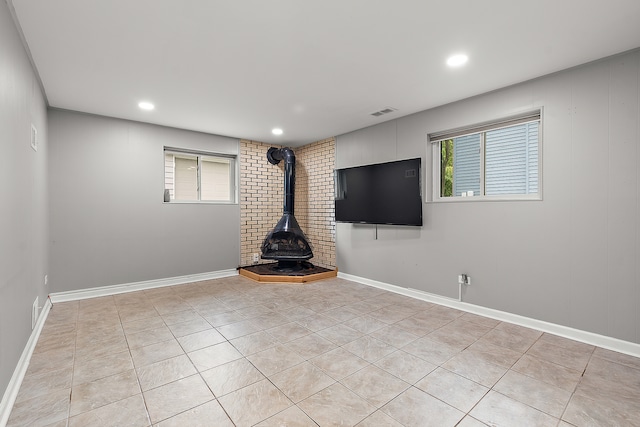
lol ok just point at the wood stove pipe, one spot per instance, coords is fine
(275, 155)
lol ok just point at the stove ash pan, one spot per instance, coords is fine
(287, 242)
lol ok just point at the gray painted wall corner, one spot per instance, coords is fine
(24, 227)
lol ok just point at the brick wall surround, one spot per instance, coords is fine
(314, 208)
(261, 197)
(262, 194)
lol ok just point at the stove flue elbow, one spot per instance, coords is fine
(275, 155)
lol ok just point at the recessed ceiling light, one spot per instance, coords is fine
(146, 105)
(457, 60)
(276, 131)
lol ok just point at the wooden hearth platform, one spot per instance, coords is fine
(266, 274)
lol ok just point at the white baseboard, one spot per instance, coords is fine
(11, 393)
(137, 286)
(603, 341)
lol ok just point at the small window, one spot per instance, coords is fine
(191, 176)
(493, 161)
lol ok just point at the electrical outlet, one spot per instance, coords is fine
(464, 279)
(256, 258)
(34, 313)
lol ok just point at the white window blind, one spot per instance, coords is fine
(186, 178)
(466, 164)
(216, 179)
(511, 160)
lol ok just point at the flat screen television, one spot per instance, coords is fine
(382, 193)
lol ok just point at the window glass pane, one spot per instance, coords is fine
(186, 178)
(466, 165)
(215, 179)
(446, 168)
(511, 160)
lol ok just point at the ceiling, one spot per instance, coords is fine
(313, 68)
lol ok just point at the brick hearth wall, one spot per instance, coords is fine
(314, 198)
(262, 193)
(261, 197)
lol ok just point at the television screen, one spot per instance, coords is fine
(383, 193)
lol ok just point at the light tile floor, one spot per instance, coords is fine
(331, 353)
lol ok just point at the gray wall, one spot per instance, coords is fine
(23, 197)
(108, 222)
(572, 258)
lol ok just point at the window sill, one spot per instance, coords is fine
(193, 202)
(468, 199)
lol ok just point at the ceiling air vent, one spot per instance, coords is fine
(385, 110)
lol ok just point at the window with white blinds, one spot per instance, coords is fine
(493, 160)
(191, 176)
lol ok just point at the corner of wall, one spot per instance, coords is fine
(261, 198)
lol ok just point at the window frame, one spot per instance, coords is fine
(233, 175)
(435, 139)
